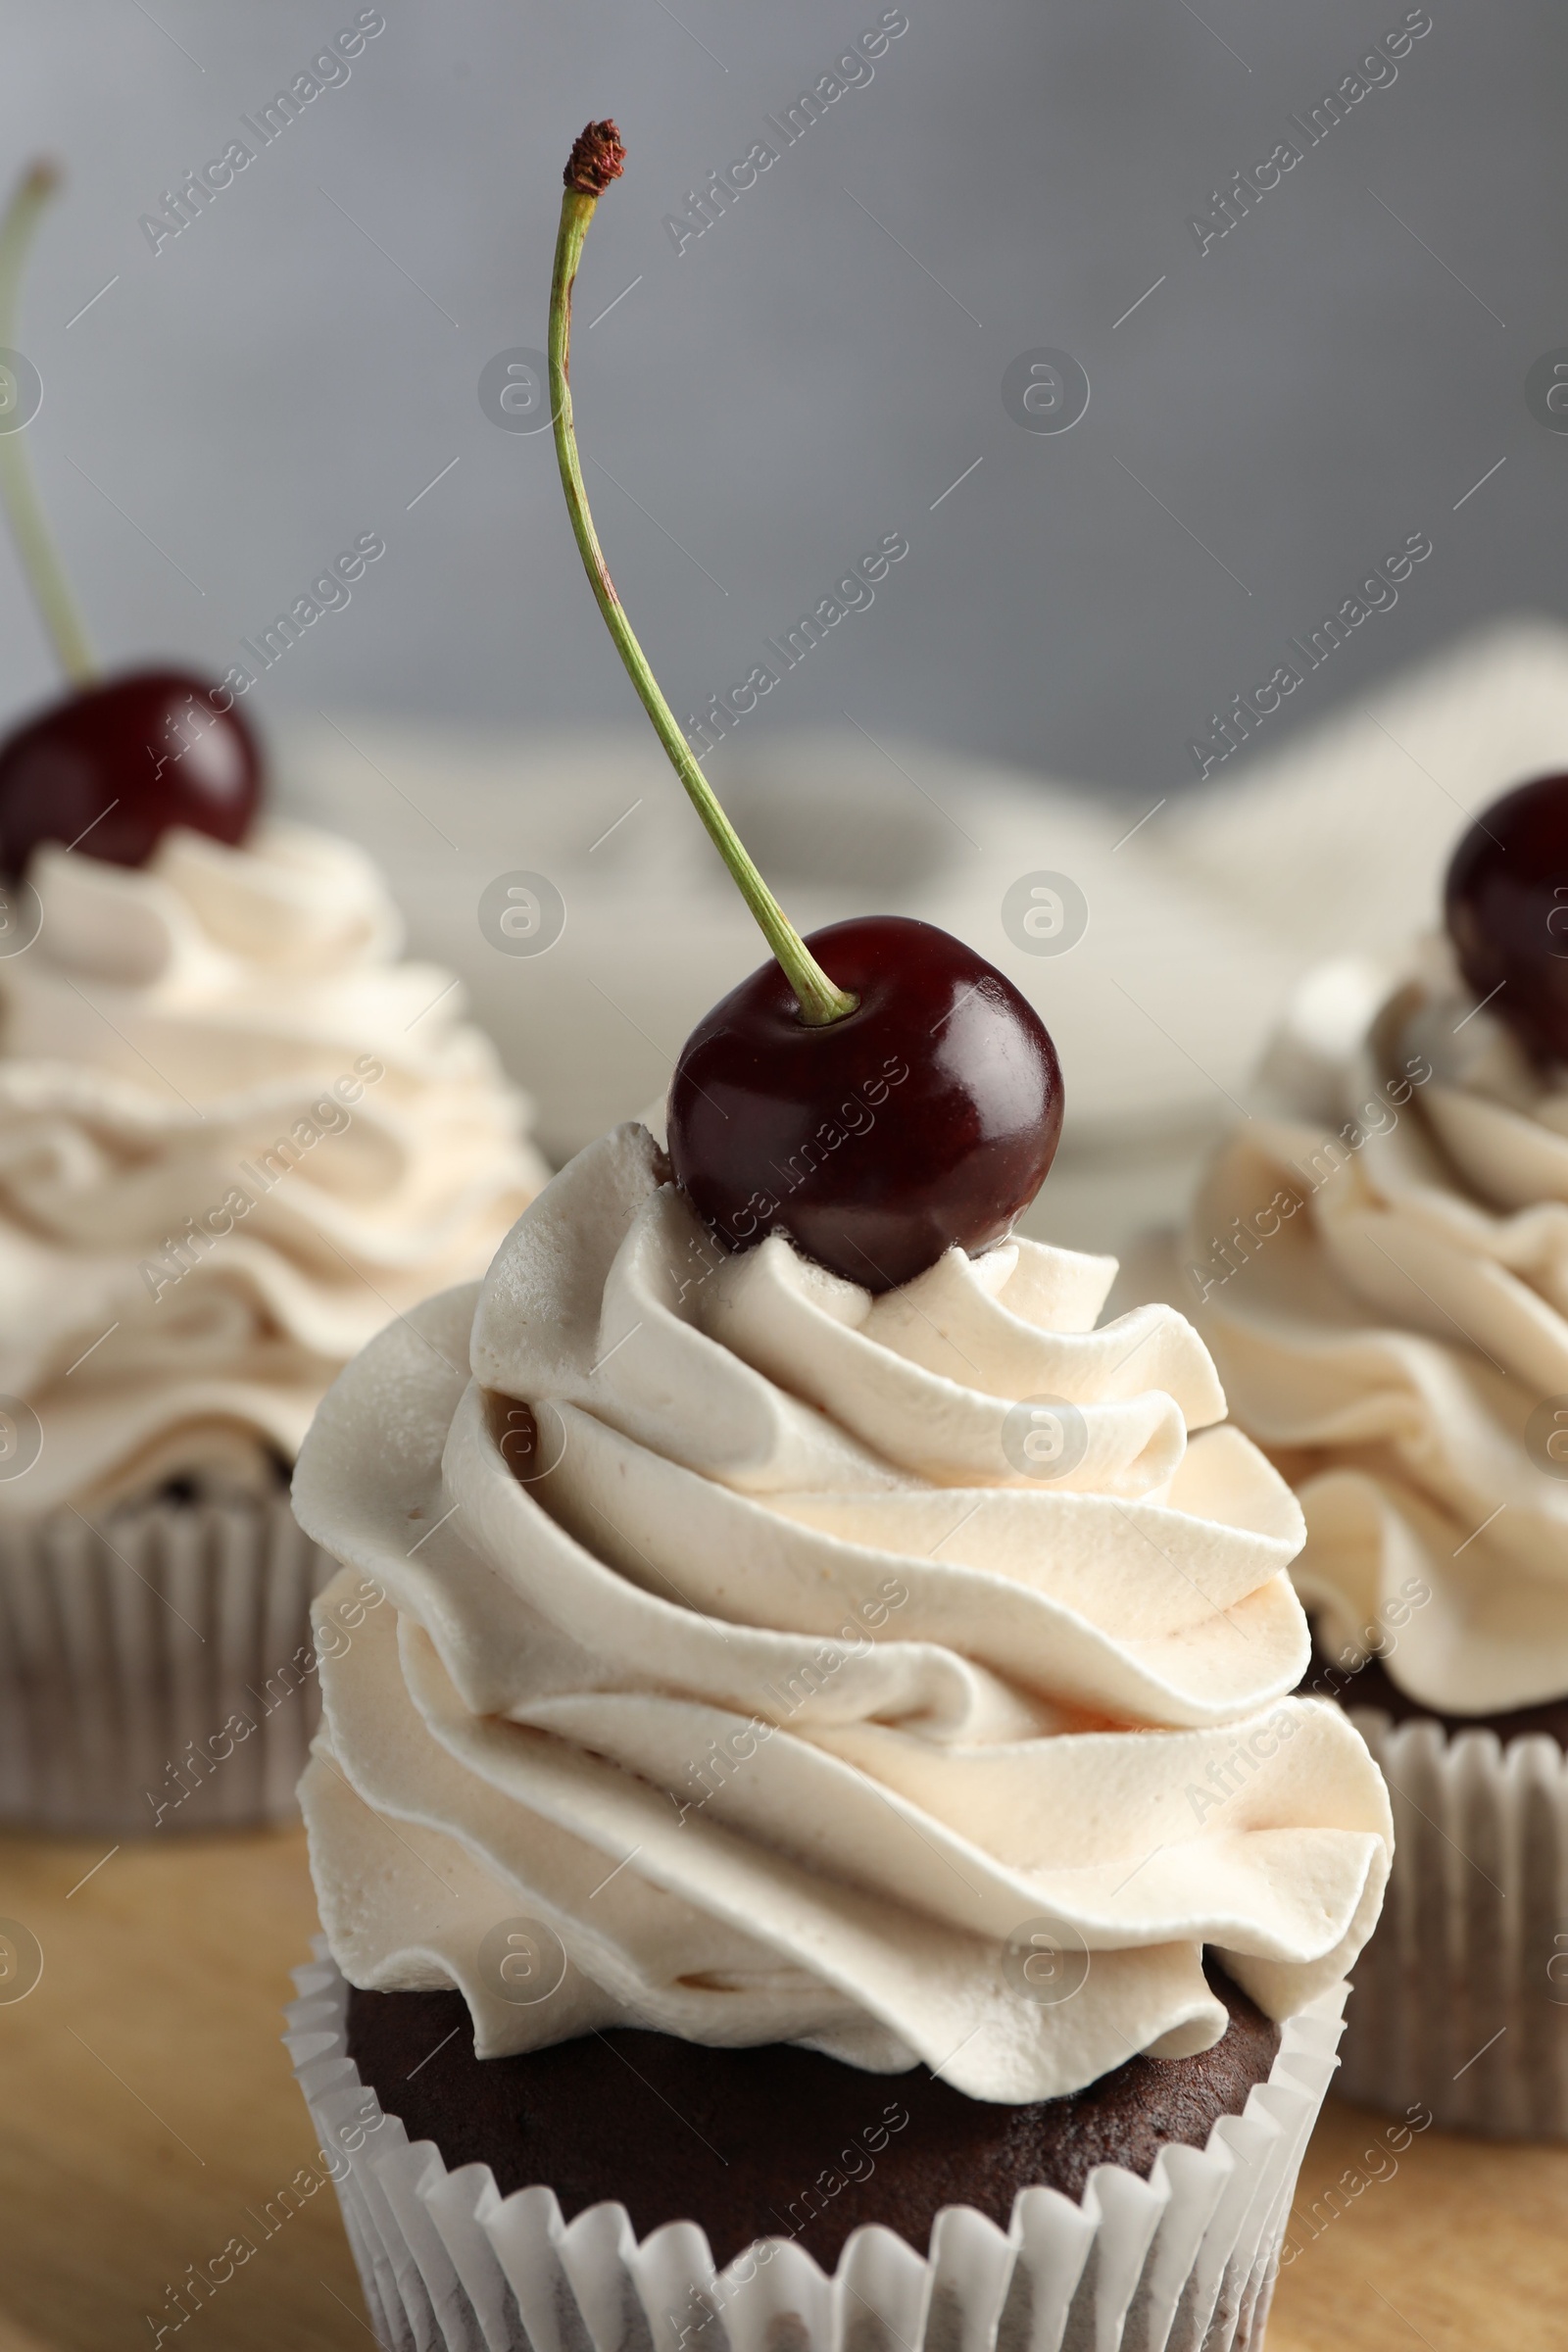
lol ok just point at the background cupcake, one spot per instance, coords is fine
(236, 1137)
(1378, 1260)
(755, 1669)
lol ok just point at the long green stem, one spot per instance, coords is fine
(34, 544)
(820, 1000)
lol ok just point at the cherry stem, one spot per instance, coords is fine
(18, 493)
(820, 998)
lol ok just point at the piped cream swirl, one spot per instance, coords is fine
(782, 1689)
(1398, 1339)
(237, 1135)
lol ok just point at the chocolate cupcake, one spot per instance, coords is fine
(826, 1776)
(237, 1134)
(1378, 1260)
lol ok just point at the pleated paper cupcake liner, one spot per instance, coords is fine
(1461, 1998)
(1182, 2262)
(156, 1670)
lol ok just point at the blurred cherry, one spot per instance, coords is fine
(111, 766)
(1505, 902)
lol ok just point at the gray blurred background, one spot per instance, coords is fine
(297, 363)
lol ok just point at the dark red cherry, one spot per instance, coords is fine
(115, 765)
(928, 1117)
(1505, 902)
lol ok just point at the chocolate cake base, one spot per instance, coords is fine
(777, 2141)
(1372, 1686)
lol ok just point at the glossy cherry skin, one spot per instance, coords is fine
(1506, 903)
(928, 1117)
(116, 765)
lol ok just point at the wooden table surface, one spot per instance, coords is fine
(149, 2115)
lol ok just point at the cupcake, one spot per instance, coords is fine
(1378, 1260)
(749, 1696)
(237, 1135)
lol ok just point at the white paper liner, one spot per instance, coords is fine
(1182, 2262)
(1461, 1998)
(132, 1652)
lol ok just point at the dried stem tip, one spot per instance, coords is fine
(597, 158)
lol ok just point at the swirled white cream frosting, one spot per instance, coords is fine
(236, 1137)
(1382, 1259)
(784, 1693)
